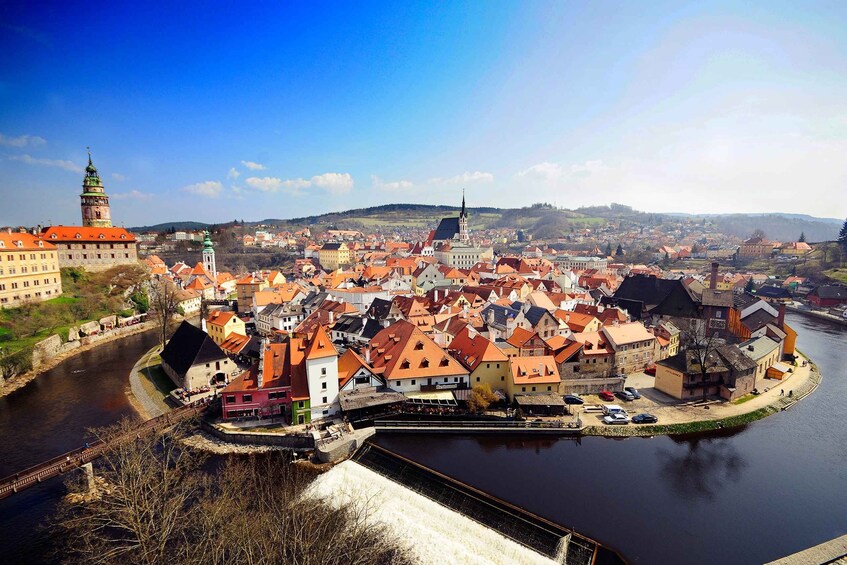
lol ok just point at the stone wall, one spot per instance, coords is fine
(45, 350)
(290, 441)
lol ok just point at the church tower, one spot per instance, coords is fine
(464, 237)
(94, 202)
(209, 258)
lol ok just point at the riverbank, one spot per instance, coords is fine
(22, 380)
(820, 315)
(144, 396)
(717, 415)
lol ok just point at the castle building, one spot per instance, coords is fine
(95, 245)
(29, 269)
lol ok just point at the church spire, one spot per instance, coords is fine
(462, 214)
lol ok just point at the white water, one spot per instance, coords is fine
(435, 534)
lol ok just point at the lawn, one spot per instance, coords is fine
(839, 275)
(157, 384)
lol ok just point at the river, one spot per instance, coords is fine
(742, 496)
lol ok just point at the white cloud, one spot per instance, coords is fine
(209, 188)
(22, 141)
(233, 173)
(334, 183)
(131, 195)
(62, 164)
(554, 172)
(397, 185)
(254, 166)
(464, 178)
(118, 177)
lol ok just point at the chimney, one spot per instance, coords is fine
(750, 348)
(713, 282)
(260, 378)
(203, 325)
(331, 317)
(780, 319)
(368, 355)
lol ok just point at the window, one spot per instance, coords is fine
(523, 389)
(396, 383)
(533, 389)
(323, 386)
(323, 371)
(477, 379)
(230, 398)
(413, 382)
(247, 398)
(502, 378)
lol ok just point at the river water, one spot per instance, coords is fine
(743, 496)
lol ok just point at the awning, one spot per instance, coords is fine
(463, 394)
(434, 398)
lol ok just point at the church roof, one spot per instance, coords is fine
(447, 229)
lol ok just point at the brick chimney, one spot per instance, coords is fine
(713, 281)
(780, 318)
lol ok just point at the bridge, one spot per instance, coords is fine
(78, 457)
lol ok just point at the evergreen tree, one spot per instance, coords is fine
(802, 237)
(619, 251)
(608, 250)
(749, 287)
(842, 237)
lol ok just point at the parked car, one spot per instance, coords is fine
(573, 399)
(625, 395)
(609, 409)
(616, 419)
(633, 391)
(644, 419)
(651, 370)
(606, 395)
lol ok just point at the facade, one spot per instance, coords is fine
(92, 248)
(263, 391)
(633, 346)
(192, 360)
(29, 269)
(463, 256)
(333, 256)
(533, 375)
(765, 352)
(486, 363)
(729, 374)
(220, 325)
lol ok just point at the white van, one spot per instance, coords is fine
(609, 409)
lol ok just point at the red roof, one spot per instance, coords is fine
(80, 233)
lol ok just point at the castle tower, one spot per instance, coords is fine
(209, 258)
(464, 237)
(94, 202)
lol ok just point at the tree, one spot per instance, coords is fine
(164, 306)
(758, 233)
(699, 342)
(842, 237)
(608, 250)
(481, 398)
(749, 286)
(619, 251)
(158, 505)
(802, 237)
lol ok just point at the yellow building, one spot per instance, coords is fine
(533, 375)
(332, 256)
(29, 269)
(219, 325)
(484, 360)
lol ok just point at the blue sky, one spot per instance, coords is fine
(266, 109)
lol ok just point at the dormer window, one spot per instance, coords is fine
(78, 236)
(419, 346)
(444, 362)
(40, 244)
(405, 364)
(53, 236)
(101, 236)
(123, 236)
(425, 363)
(19, 243)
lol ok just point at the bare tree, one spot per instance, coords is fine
(164, 305)
(699, 345)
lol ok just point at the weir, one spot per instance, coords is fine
(556, 542)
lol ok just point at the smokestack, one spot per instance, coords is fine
(780, 319)
(713, 282)
(331, 317)
(368, 355)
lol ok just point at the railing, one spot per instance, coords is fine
(78, 457)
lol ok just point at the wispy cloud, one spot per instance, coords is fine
(555, 172)
(464, 178)
(131, 195)
(334, 183)
(118, 177)
(22, 141)
(208, 189)
(254, 166)
(233, 173)
(392, 186)
(60, 163)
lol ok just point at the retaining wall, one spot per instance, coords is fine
(291, 441)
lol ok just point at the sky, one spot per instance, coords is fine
(251, 110)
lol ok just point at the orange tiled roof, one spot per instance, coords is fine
(472, 351)
(28, 242)
(81, 233)
(402, 351)
(534, 370)
(320, 346)
(220, 318)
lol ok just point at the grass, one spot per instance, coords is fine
(839, 275)
(62, 300)
(156, 383)
(744, 399)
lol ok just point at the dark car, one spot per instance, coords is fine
(633, 391)
(606, 395)
(625, 395)
(644, 419)
(573, 399)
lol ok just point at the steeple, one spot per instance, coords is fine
(94, 202)
(464, 236)
(209, 258)
(462, 214)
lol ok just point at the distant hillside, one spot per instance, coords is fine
(542, 220)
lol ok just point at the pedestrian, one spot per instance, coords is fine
(790, 393)
(782, 392)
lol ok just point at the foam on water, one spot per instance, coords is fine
(435, 534)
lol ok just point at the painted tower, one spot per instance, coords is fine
(464, 237)
(209, 258)
(94, 202)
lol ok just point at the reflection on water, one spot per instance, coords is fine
(703, 468)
